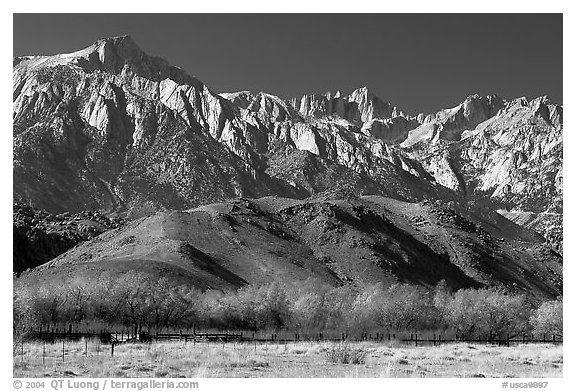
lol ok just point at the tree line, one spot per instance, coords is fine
(135, 300)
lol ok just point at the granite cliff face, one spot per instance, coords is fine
(112, 128)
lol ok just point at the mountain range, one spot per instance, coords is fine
(113, 129)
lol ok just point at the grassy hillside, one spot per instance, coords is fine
(328, 240)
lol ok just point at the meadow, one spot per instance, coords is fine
(91, 359)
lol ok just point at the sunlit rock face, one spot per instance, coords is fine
(110, 127)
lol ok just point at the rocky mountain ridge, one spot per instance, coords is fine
(110, 127)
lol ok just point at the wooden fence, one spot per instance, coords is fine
(437, 340)
(414, 338)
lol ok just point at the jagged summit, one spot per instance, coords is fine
(113, 55)
(450, 124)
(119, 40)
(274, 108)
(116, 50)
(241, 99)
(358, 108)
(123, 46)
(362, 93)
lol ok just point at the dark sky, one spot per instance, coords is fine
(419, 62)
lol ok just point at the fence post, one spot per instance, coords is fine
(63, 341)
(112, 350)
(416, 339)
(43, 351)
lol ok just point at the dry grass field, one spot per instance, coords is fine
(301, 359)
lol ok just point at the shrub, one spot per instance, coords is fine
(344, 354)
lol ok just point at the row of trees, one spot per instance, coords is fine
(134, 300)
